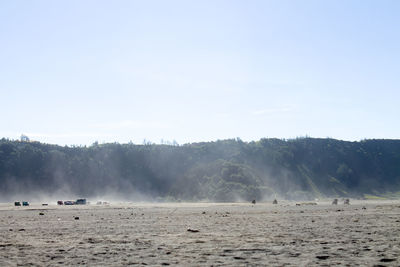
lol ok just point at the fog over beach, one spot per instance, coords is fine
(199, 133)
(221, 171)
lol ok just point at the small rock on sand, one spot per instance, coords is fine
(275, 201)
(387, 260)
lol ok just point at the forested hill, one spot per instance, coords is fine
(228, 170)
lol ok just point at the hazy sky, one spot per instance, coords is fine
(76, 72)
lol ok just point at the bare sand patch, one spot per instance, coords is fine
(201, 234)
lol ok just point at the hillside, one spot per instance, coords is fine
(228, 170)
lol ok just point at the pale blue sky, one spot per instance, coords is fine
(76, 72)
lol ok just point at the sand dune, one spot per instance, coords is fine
(129, 234)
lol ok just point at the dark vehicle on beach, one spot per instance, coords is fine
(25, 203)
(17, 203)
(80, 201)
(60, 202)
(69, 202)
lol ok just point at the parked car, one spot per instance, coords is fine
(80, 201)
(60, 202)
(69, 202)
(17, 203)
(25, 203)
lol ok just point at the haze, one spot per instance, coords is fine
(76, 72)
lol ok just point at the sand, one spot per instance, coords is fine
(237, 234)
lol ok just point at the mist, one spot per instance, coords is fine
(221, 171)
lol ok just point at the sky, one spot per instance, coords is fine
(76, 72)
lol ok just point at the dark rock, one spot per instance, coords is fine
(387, 260)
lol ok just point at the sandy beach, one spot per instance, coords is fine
(364, 233)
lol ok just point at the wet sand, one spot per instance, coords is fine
(363, 233)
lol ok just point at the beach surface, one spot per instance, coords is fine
(364, 233)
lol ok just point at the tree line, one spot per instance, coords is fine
(224, 170)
